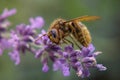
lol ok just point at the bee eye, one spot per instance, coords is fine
(53, 32)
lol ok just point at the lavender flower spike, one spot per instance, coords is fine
(23, 36)
(85, 59)
(47, 50)
(69, 58)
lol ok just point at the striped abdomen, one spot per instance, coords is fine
(82, 34)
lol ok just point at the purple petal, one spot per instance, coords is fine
(44, 61)
(96, 53)
(4, 44)
(66, 70)
(65, 54)
(68, 49)
(74, 54)
(85, 73)
(91, 47)
(37, 22)
(14, 40)
(39, 53)
(85, 52)
(55, 48)
(79, 69)
(8, 13)
(45, 40)
(15, 57)
(1, 52)
(56, 65)
(45, 68)
(20, 28)
(73, 60)
(101, 67)
(62, 60)
(89, 61)
(27, 38)
(88, 51)
(78, 64)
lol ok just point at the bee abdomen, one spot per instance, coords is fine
(83, 36)
(86, 37)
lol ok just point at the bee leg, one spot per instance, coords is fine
(75, 42)
(68, 41)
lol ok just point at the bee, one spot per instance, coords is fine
(74, 28)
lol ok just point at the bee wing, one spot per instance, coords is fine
(84, 18)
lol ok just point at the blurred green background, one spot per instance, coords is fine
(105, 34)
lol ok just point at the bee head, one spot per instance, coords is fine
(53, 35)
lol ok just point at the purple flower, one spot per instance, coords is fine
(23, 36)
(83, 60)
(47, 50)
(79, 60)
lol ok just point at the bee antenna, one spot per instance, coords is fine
(40, 38)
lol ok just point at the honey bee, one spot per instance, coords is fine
(73, 28)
